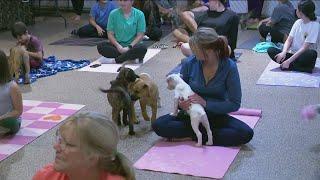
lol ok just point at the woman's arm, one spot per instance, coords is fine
(17, 103)
(138, 38)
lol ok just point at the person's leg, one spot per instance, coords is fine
(27, 66)
(87, 31)
(255, 8)
(233, 34)
(305, 62)
(264, 30)
(168, 126)
(107, 50)
(229, 131)
(187, 18)
(11, 125)
(155, 33)
(272, 52)
(137, 52)
(77, 6)
(181, 35)
(276, 36)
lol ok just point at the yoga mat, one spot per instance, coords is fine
(273, 76)
(176, 70)
(187, 159)
(76, 41)
(37, 118)
(52, 66)
(250, 43)
(112, 68)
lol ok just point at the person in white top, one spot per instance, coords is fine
(299, 51)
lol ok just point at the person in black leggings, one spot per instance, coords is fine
(77, 8)
(298, 53)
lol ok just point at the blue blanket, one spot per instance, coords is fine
(52, 66)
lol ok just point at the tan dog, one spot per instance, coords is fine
(147, 92)
(15, 61)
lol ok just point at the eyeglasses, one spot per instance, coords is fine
(61, 141)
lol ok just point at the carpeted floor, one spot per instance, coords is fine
(283, 146)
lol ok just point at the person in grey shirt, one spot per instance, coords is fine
(280, 22)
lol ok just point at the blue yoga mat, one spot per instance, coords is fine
(52, 66)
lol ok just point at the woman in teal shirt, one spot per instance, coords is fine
(126, 28)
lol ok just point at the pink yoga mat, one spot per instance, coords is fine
(37, 118)
(184, 158)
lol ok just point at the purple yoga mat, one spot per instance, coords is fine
(187, 159)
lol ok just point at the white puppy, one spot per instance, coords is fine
(197, 114)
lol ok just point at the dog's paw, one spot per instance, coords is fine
(198, 144)
(131, 133)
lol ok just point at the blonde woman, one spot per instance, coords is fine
(86, 148)
(214, 78)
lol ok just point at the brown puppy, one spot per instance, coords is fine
(147, 92)
(15, 61)
(120, 100)
(119, 97)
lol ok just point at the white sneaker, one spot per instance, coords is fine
(145, 37)
(107, 60)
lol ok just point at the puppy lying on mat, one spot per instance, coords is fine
(146, 90)
(197, 113)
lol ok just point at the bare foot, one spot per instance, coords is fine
(76, 18)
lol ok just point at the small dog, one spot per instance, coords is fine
(147, 92)
(15, 61)
(119, 98)
(196, 111)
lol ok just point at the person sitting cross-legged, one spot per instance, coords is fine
(126, 28)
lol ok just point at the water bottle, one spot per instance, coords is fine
(268, 38)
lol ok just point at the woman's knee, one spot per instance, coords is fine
(272, 52)
(247, 135)
(159, 124)
(312, 53)
(101, 48)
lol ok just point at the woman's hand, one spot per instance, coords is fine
(196, 99)
(184, 104)
(280, 57)
(123, 50)
(285, 64)
(100, 30)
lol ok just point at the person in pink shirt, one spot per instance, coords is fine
(86, 148)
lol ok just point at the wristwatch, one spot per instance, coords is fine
(130, 46)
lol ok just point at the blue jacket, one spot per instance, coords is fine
(222, 93)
